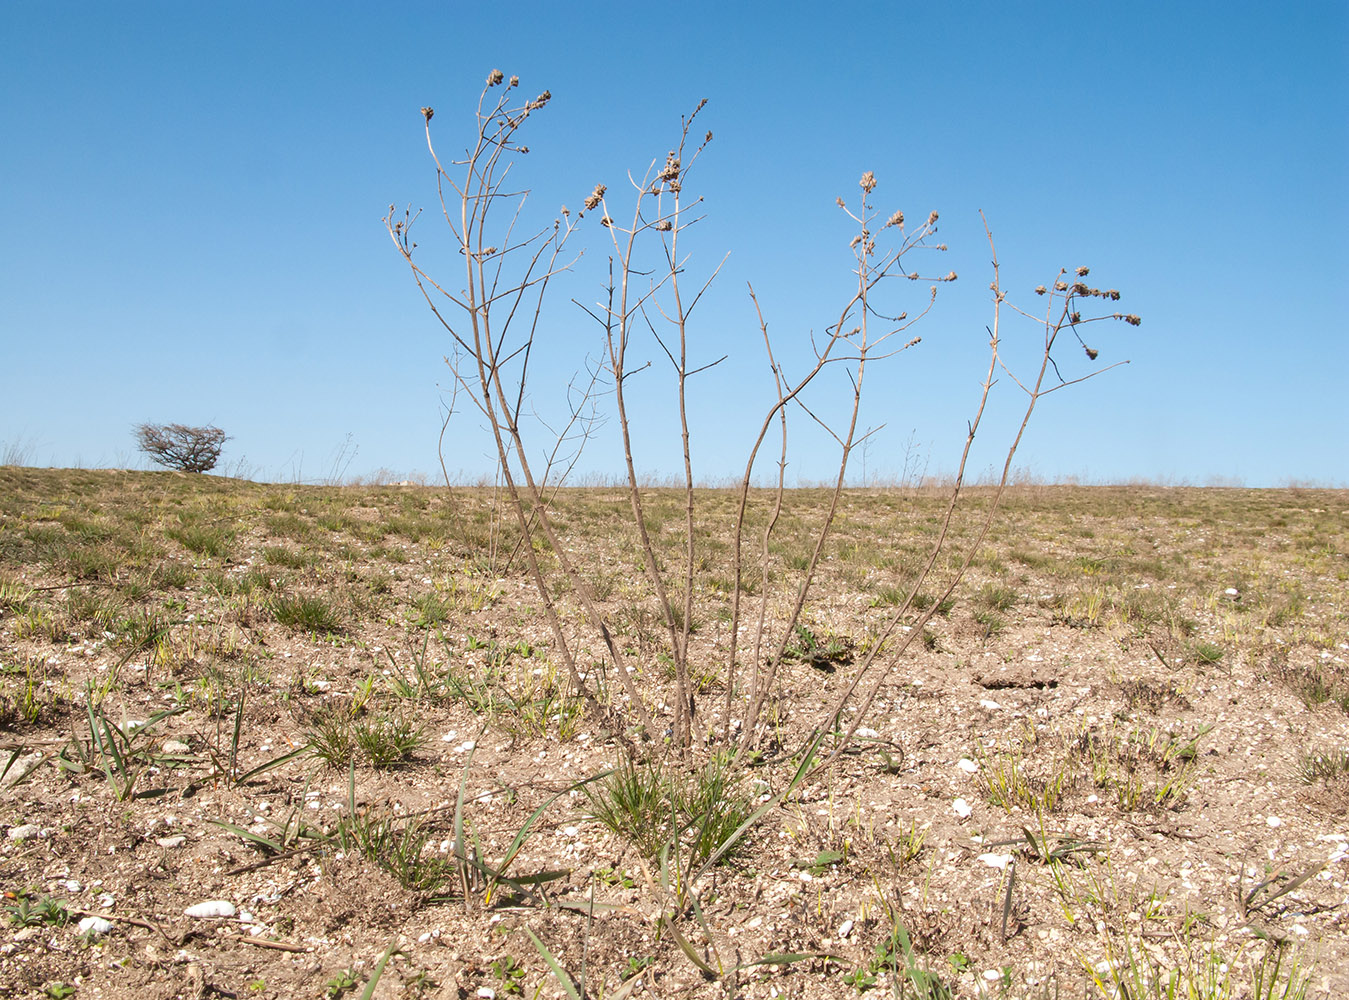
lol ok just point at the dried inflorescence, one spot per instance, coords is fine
(595, 196)
(868, 182)
(495, 77)
(671, 170)
(427, 113)
(895, 220)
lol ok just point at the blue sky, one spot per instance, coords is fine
(192, 196)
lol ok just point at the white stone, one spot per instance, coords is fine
(94, 926)
(967, 765)
(996, 860)
(962, 808)
(24, 831)
(175, 841)
(175, 746)
(1273, 821)
(211, 908)
(989, 704)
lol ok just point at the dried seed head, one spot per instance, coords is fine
(1091, 352)
(1112, 294)
(839, 203)
(1074, 317)
(427, 113)
(565, 211)
(915, 340)
(495, 77)
(708, 138)
(664, 226)
(606, 222)
(868, 182)
(855, 240)
(1082, 272)
(950, 277)
(895, 220)
(932, 218)
(594, 197)
(1133, 320)
(1040, 289)
(1080, 289)
(671, 169)
(515, 81)
(1060, 286)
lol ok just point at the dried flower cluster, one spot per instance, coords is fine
(495, 77)
(895, 220)
(594, 197)
(868, 182)
(670, 171)
(427, 113)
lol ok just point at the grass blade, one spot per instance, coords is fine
(559, 973)
(389, 952)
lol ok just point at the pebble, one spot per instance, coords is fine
(175, 746)
(962, 808)
(94, 926)
(25, 831)
(967, 765)
(996, 860)
(177, 841)
(211, 908)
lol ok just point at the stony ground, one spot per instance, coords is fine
(283, 741)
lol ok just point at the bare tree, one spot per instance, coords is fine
(177, 446)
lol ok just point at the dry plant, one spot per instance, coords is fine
(177, 446)
(497, 318)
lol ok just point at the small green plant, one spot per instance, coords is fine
(510, 974)
(342, 983)
(1321, 765)
(658, 812)
(387, 740)
(823, 654)
(992, 623)
(1207, 652)
(204, 540)
(30, 910)
(59, 991)
(307, 613)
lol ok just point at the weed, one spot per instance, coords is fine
(34, 910)
(307, 613)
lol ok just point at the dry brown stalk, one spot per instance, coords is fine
(496, 323)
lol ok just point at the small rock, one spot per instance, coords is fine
(845, 928)
(211, 908)
(486, 992)
(962, 808)
(94, 926)
(967, 765)
(1273, 821)
(25, 831)
(177, 841)
(989, 704)
(996, 860)
(175, 746)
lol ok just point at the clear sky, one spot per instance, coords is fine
(191, 199)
